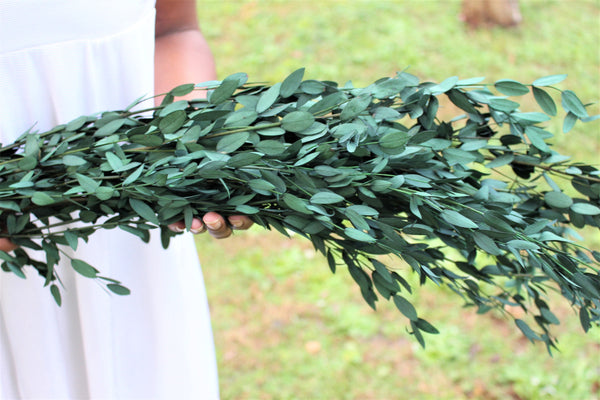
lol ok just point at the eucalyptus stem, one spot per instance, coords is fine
(362, 173)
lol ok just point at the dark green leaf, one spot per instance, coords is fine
(56, 294)
(84, 268)
(224, 91)
(172, 122)
(406, 308)
(143, 210)
(118, 289)
(182, 90)
(529, 334)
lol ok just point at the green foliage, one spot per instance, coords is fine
(360, 172)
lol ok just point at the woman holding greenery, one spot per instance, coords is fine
(59, 60)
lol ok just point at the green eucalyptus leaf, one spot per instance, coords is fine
(143, 210)
(572, 104)
(291, 83)
(585, 209)
(544, 100)
(557, 200)
(84, 268)
(268, 98)
(297, 121)
(406, 308)
(511, 87)
(231, 142)
(549, 80)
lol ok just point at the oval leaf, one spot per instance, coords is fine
(511, 88)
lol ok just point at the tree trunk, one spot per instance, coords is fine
(488, 13)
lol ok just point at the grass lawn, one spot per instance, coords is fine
(285, 327)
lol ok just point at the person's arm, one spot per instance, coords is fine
(183, 56)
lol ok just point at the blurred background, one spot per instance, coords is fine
(285, 327)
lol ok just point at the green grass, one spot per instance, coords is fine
(285, 327)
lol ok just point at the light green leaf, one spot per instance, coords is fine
(522, 244)
(297, 121)
(457, 219)
(104, 192)
(326, 197)
(569, 122)
(557, 199)
(585, 209)
(42, 199)
(268, 98)
(270, 147)
(361, 236)
(355, 106)
(133, 176)
(73, 161)
(444, 86)
(549, 80)
(544, 100)
(88, 184)
(114, 161)
(511, 88)
(231, 142)
(571, 103)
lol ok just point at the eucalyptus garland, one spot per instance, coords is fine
(479, 202)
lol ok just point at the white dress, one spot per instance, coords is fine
(60, 59)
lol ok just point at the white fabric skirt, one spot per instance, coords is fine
(59, 60)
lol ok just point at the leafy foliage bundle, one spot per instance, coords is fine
(471, 203)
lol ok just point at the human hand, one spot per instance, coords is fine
(215, 224)
(6, 245)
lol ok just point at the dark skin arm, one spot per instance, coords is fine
(183, 56)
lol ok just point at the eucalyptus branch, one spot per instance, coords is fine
(360, 172)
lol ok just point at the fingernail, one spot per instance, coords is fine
(177, 229)
(196, 231)
(214, 225)
(236, 223)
